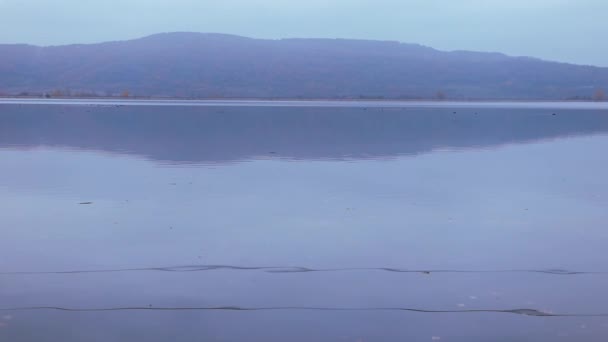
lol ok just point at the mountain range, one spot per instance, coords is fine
(205, 65)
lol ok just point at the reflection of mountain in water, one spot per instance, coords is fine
(224, 134)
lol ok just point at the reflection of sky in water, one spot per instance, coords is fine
(531, 200)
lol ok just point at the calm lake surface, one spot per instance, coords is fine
(369, 221)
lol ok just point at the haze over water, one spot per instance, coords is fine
(360, 222)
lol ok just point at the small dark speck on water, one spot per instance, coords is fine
(271, 152)
(85, 203)
(553, 114)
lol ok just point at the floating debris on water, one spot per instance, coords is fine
(530, 312)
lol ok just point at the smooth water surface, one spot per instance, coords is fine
(303, 223)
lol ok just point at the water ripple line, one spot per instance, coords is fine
(524, 312)
(298, 269)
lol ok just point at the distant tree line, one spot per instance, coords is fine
(57, 93)
(597, 95)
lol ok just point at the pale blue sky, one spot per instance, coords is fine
(563, 30)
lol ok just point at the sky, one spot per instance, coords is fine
(574, 31)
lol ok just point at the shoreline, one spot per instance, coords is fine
(331, 103)
(286, 99)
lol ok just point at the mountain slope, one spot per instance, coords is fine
(216, 65)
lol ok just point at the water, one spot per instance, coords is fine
(330, 221)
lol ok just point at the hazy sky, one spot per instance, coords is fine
(564, 30)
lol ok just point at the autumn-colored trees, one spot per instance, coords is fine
(599, 95)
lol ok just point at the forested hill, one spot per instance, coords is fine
(216, 65)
